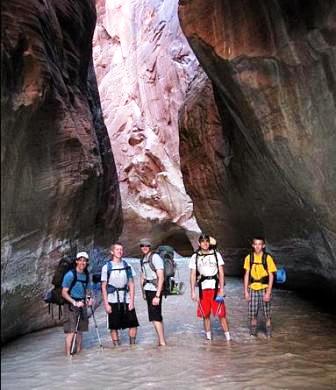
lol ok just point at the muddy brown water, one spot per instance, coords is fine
(300, 355)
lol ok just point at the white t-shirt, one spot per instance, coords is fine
(117, 279)
(148, 273)
(207, 266)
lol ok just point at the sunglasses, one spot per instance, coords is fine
(144, 246)
(83, 260)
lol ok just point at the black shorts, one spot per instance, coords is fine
(154, 312)
(121, 317)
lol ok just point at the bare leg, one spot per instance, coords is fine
(207, 324)
(68, 342)
(132, 335)
(224, 323)
(115, 337)
(158, 325)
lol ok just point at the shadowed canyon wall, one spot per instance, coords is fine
(258, 152)
(144, 67)
(59, 180)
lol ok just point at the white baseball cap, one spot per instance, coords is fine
(82, 254)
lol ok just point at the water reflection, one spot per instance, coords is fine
(301, 353)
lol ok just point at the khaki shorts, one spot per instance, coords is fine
(71, 314)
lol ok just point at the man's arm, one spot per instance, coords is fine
(67, 297)
(193, 284)
(160, 280)
(107, 307)
(267, 296)
(221, 279)
(246, 282)
(131, 288)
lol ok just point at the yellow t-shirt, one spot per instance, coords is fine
(258, 271)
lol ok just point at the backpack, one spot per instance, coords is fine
(280, 275)
(201, 278)
(110, 288)
(166, 253)
(54, 296)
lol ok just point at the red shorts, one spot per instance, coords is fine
(208, 304)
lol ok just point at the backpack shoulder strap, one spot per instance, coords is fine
(150, 261)
(128, 270)
(215, 253)
(109, 270)
(74, 280)
(251, 259)
(264, 260)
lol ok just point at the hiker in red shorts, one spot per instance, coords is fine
(207, 270)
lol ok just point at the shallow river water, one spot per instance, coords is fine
(300, 355)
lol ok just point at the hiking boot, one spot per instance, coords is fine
(268, 332)
(253, 330)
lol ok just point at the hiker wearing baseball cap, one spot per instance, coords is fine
(75, 288)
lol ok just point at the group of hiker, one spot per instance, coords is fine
(118, 291)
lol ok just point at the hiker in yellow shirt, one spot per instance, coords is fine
(258, 282)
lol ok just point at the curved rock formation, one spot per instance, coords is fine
(144, 66)
(59, 180)
(268, 155)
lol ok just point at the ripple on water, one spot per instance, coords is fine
(301, 354)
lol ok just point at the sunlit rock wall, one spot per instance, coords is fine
(59, 182)
(270, 167)
(144, 66)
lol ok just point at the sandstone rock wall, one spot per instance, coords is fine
(269, 162)
(59, 180)
(144, 66)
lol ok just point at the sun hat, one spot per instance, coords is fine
(145, 242)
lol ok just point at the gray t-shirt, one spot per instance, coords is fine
(148, 273)
(117, 279)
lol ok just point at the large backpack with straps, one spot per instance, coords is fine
(200, 278)
(166, 253)
(54, 295)
(110, 287)
(280, 275)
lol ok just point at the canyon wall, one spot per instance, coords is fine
(144, 67)
(258, 150)
(59, 182)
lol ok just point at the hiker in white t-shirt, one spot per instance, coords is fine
(207, 271)
(118, 293)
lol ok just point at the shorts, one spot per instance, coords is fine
(256, 302)
(121, 317)
(207, 304)
(154, 312)
(71, 314)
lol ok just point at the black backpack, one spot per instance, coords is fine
(54, 295)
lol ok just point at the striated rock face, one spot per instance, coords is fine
(59, 181)
(144, 66)
(267, 162)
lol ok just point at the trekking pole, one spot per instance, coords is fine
(96, 326)
(72, 350)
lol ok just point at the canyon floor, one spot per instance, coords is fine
(301, 353)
